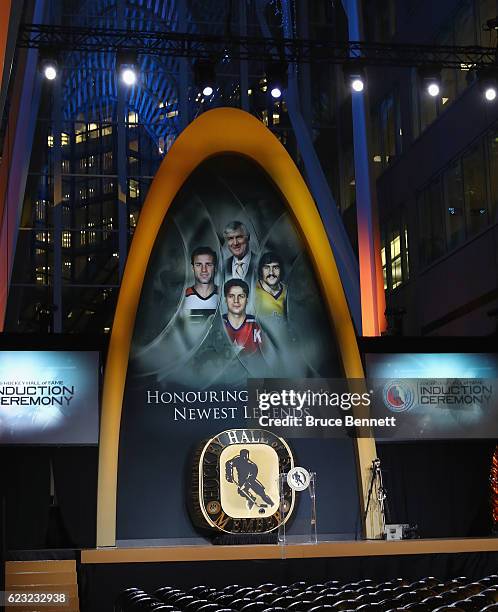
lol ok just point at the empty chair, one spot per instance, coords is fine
(283, 601)
(481, 600)
(194, 605)
(302, 604)
(164, 589)
(266, 597)
(231, 588)
(239, 602)
(172, 596)
(198, 590)
(300, 585)
(291, 592)
(208, 607)
(223, 599)
(492, 593)
(343, 604)
(182, 601)
(280, 589)
(267, 586)
(241, 592)
(406, 598)
(254, 606)
(125, 596)
(491, 608)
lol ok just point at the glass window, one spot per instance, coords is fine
(384, 263)
(431, 224)
(475, 190)
(493, 174)
(454, 205)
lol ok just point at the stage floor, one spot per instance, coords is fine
(359, 548)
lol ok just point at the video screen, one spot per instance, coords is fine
(49, 397)
(435, 395)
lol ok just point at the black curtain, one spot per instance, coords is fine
(442, 486)
(75, 476)
(26, 486)
(32, 521)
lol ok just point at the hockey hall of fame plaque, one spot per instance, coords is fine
(235, 482)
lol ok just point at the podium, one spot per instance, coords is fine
(301, 527)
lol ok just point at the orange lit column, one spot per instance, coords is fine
(373, 302)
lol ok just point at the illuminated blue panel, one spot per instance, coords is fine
(49, 397)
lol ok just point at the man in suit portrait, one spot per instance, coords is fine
(237, 239)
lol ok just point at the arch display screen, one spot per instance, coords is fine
(229, 294)
(49, 397)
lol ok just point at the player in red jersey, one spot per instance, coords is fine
(241, 327)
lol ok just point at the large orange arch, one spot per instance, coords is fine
(224, 130)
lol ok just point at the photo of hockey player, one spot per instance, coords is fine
(241, 262)
(246, 479)
(241, 327)
(271, 292)
(201, 299)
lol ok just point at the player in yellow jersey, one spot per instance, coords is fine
(271, 293)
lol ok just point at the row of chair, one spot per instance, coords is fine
(425, 595)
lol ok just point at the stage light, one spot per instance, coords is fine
(431, 80)
(276, 78)
(49, 68)
(205, 77)
(357, 85)
(50, 71)
(127, 66)
(354, 75)
(433, 89)
(488, 83)
(128, 76)
(490, 94)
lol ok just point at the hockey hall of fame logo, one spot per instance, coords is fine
(235, 486)
(398, 396)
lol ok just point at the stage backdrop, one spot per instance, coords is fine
(230, 276)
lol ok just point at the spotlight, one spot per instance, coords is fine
(205, 77)
(488, 83)
(431, 81)
(49, 68)
(490, 93)
(433, 89)
(357, 85)
(276, 78)
(128, 76)
(354, 76)
(126, 64)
